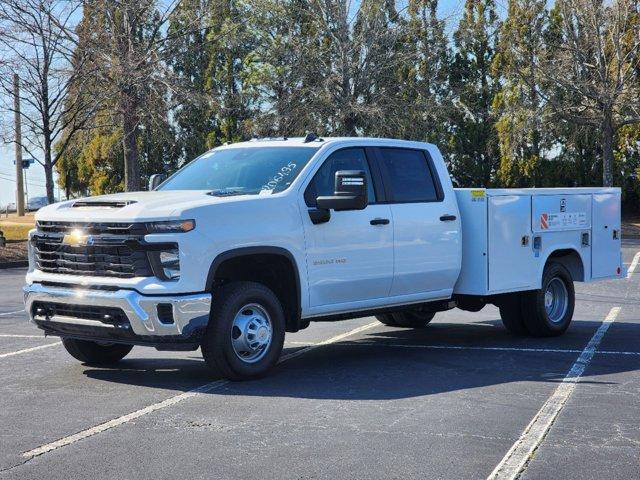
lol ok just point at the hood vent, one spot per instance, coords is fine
(103, 203)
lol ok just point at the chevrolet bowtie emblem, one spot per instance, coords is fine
(77, 238)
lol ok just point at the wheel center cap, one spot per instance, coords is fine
(263, 334)
(548, 299)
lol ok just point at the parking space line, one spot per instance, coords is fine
(634, 264)
(11, 313)
(464, 347)
(10, 335)
(62, 442)
(521, 452)
(28, 350)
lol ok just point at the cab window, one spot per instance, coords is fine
(323, 183)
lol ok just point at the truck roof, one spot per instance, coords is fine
(320, 141)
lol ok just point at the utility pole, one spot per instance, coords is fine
(19, 183)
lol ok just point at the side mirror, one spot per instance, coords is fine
(155, 180)
(350, 192)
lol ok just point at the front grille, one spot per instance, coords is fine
(136, 229)
(107, 315)
(115, 250)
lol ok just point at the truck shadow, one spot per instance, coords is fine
(395, 363)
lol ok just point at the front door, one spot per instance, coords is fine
(350, 257)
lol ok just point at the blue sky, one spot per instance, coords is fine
(450, 10)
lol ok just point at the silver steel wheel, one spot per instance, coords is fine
(556, 300)
(251, 333)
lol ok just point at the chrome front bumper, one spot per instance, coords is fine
(190, 312)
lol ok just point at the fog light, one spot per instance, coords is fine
(170, 263)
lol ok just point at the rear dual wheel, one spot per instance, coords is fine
(542, 313)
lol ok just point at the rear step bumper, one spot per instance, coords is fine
(116, 314)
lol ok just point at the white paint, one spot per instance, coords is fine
(62, 442)
(465, 347)
(7, 335)
(514, 462)
(634, 264)
(11, 313)
(29, 350)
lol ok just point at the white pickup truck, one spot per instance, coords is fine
(257, 238)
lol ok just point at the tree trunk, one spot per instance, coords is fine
(607, 151)
(130, 145)
(48, 170)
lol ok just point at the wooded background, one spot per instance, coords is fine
(116, 90)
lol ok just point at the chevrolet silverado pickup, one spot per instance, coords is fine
(255, 239)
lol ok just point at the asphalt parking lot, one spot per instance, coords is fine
(355, 399)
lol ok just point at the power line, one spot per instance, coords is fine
(40, 185)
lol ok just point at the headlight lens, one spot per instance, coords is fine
(170, 263)
(171, 226)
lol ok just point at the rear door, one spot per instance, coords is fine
(426, 226)
(605, 253)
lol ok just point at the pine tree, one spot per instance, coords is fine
(522, 132)
(473, 142)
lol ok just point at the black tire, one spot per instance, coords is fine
(93, 353)
(406, 318)
(539, 321)
(511, 314)
(217, 345)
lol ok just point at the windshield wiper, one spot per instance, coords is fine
(227, 192)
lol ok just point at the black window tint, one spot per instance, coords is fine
(409, 175)
(324, 181)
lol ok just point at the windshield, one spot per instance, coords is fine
(242, 171)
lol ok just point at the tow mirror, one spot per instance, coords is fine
(350, 192)
(155, 180)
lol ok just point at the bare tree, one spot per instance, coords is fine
(34, 44)
(591, 65)
(126, 43)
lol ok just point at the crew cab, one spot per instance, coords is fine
(255, 239)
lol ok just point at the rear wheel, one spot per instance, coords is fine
(511, 314)
(94, 353)
(406, 318)
(245, 334)
(548, 312)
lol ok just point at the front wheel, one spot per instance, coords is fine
(93, 353)
(245, 334)
(406, 318)
(548, 312)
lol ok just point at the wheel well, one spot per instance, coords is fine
(571, 260)
(276, 271)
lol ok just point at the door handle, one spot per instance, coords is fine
(379, 221)
(447, 218)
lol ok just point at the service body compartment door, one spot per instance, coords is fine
(605, 249)
(512, 264)
(561, 213)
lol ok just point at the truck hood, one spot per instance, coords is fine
(132, 206)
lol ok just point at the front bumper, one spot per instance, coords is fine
(142, 323)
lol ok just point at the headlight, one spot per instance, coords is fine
(170, 263)
(171, 226)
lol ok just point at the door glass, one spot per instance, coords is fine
(409, 175)
(324, 181)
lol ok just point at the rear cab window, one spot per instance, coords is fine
(409, 175)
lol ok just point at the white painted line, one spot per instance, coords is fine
(634, 264)
(464, 347)
(170, 401)
(7, 335)
(28, 350)
(11, 313)
(514, 462)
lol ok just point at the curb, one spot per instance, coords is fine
(16, 264)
